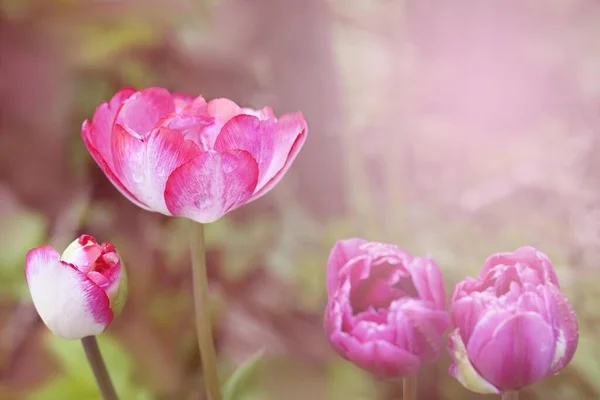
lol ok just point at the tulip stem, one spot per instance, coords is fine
(92, 351)
(203, 318)
(510, 395)
(409, 388)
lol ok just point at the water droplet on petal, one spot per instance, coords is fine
(203, 203)
(229, 167)
(137, 176)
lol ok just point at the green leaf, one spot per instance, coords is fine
(241, 378)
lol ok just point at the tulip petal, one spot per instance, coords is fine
(223, 109)
(342, 252)
(463, 370)
(145, 165)
(512, 352)
(368, 350)
(144, 109)
(467, 311)
(98, 134)
(528, 256)
(378, 357)
(428, 280)
(70, 304)
(82, 253)
(289, 135)
(181, 100)
(564, 320)
(211, 184)
(104, 166)
(273, 144)
(419, 326)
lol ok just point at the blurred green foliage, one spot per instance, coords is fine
(20, 231)
(75, 379)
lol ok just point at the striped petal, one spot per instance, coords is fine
(212, 184)
(144, 165)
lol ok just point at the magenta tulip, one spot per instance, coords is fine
(77, 293)
(184, 156)
(512, 325)
(386, 309)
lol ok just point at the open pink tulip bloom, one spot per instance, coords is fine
(386, 309)
(77, 293)
(184, 156)
(512, 325)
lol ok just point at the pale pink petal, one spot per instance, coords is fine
(82, 253)
(98, 133)
(288, 137)
(211, 184)
(181, 100)
(70, 304)
(223, 109)
(264, 114)
(144, 109)
(145, 165)
(273, 144)
(108, 171)
(194, 123)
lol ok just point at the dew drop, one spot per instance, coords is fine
(137, 176)
(203, 203)
(228, 168)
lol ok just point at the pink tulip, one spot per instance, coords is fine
(77, 293)
(386, 309)
(513, 326)
(184, 156)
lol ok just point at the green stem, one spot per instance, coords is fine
(202, 307)
(409, 388)
(92, 351)
(510, 396)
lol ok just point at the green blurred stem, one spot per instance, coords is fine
(202, 307)
(92, 351)
(510, 396)
(409, 388)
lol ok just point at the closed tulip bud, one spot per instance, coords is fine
(386, 309)
(78, 293)
(512, 325)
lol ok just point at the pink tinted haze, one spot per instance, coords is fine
(184, 156)
(386, 309)
(77, 293)
(512, 325)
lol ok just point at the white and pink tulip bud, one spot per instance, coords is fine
(78, 293)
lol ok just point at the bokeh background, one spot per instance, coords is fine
(453, 128)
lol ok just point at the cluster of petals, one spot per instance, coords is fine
(78, 293)
(511, 325)
(386, 309)
(185, 156)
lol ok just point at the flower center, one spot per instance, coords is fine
(385, 284)
(102, 269)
